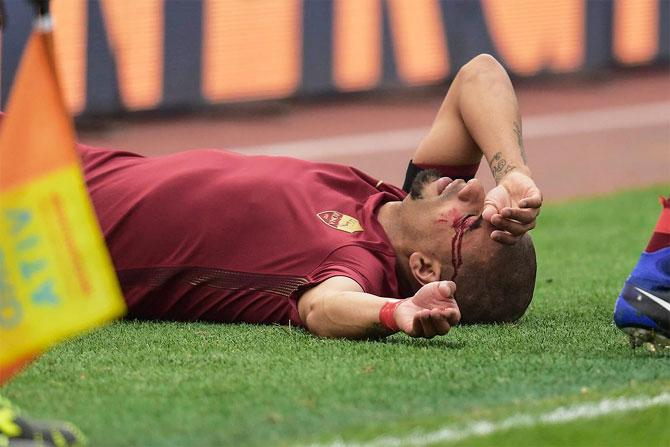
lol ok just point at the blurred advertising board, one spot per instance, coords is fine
(129, 55)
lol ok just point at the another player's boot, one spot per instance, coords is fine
(643, 307)
(18, 431)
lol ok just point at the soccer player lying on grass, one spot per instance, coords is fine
(218, 236)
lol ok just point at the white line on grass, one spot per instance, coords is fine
(549, 125)
(485, 428)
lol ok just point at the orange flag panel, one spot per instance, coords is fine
(56, 278)
(38, 120)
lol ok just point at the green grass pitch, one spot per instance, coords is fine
(171, 384)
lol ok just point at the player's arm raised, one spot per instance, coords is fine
(480, 117)
(338, 307)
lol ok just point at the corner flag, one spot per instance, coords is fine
(56, 277)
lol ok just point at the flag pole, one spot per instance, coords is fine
(42, 7)
(43, 22)
(2, 15)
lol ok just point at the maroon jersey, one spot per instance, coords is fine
(214, 235)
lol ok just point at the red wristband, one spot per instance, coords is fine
(386, 315)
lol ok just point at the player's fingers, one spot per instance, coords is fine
(511, 226)
(531, 202)
(504, 237)
(427, 324)
(453, 316)
(523, 215)
(447, 289)
(440, 321)
(489, 211)
(417, 328)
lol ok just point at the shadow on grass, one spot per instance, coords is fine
(435, 343)
(650, 351)
(440, 343)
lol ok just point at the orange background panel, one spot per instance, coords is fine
(35, 103)
(534, 34)
(252, 49)
(135, 32)
(635, 30)
(357, 42)
(419, 40)
(70, 26)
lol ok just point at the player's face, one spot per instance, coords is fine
(449, 214)
(448, 223)
(452, 205)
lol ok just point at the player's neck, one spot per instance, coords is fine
(390, 216)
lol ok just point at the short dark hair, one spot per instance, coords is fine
(497, 286)
(421, 179)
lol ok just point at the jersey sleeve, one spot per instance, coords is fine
(373, 271)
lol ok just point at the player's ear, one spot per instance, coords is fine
(425, 269)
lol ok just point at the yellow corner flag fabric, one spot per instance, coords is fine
(56, 277)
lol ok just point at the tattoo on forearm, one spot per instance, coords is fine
(519, 140)
(500, 166)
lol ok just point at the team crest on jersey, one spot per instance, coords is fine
(339, 221)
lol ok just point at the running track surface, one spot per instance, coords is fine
(583, 137)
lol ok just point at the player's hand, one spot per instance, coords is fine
(512, 207)
(431, 311)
